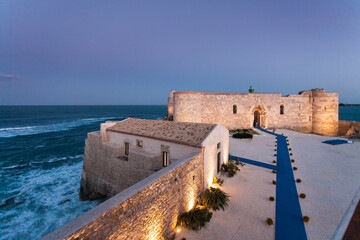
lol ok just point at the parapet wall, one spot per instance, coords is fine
(146, 210)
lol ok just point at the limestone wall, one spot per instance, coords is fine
(147, 210)
(107, 171)
(347, 128)
(217, 108)
(325, 112)
(309, 111)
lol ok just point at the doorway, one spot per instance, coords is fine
(257, 122)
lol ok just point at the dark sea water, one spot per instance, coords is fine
(41, 157)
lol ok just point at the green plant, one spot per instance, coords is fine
(306, 219)
(275, 149)
(273, 171)
(288, 144)
(274, 161)
(292, 160)
(215, 199)
(275, 155)
(242, 135)
(271, 198)
(289, 149)
(218, 181)
(195, 218)
(298, 180)
(302, 195)
(269, 221)
(229, 168)
(274, 182)
(172, 237)
(275, 145)
(237, 162)
(295, 168)
(290, 154)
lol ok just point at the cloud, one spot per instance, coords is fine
(8, 77)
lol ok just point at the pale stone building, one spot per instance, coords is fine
(123, 153)
(313, 111)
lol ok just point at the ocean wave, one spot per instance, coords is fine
(57, 127)
(43, 200)
(47, 161)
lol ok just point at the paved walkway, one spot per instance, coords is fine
(288, 222)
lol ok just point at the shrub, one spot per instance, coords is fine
(298, 180)
(172, 237)
(271, 198)
(288, 144)
(273, 171)
(274, 182)
(289, 149)
(195, 218)
(275, 155)
(218, 181)
(274, 161)
(229, 168)
(269, 221)
(292, 160)
(275, 145)
(306, 219)
(302, 195)
(215, 199)
(242, 135)
(237, 162)
(290, 154)
(295, 168)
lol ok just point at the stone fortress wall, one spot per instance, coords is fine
(146, 210)
(313, 111)
(107, 171)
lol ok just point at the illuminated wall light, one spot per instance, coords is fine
(178, 230)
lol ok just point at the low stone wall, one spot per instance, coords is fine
(146, 210)
(348, 127)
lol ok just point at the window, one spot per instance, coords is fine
(139, 143)
(234, 109)
(218, 162)
(281, 109)
(165, 158)
(218, 145)
(126, 148)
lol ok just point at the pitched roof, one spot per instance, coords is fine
(191, 134)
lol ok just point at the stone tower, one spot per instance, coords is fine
(325, 112)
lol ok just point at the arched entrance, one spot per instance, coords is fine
(256, 119)
(259, 117)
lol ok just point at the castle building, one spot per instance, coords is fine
(126, 152)
(314, 111)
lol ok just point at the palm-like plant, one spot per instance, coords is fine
(215, 199)
(195, 218)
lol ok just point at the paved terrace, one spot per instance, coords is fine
(330, 180)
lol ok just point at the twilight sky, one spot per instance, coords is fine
(135, 52)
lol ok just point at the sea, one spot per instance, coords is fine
(41, 158)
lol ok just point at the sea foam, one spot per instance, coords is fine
(57, 127)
